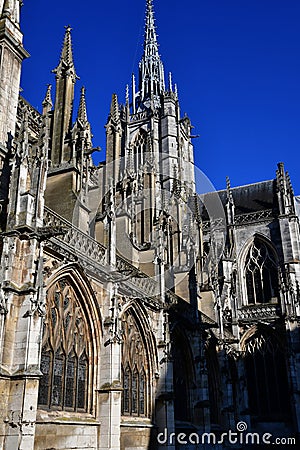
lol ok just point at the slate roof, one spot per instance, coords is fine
(249, 198)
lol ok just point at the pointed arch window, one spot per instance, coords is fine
(135, 370)
(65, 351)
(182, 375)
(126, 390)
(139, 147)
(142, 392)
(261, 274)
(134, 391)
(214, 381)
(70, 376)
(266, 374)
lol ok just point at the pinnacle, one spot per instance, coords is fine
(82, 114)
(229, 191)
(6, 11)
(47, 100)
(114, 108)
(67, 54)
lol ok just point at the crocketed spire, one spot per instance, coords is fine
(151, 80)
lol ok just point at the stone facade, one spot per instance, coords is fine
(131, 307)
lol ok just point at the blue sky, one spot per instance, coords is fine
(236, 63)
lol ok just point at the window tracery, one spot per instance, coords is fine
(65, 351)
(182, 376)
(266, 374)
(139, 147)
(261, 273)
(135, 369)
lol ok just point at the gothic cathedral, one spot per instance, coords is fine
(136, 314)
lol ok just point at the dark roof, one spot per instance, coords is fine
(249, 198)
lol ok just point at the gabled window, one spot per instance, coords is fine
(65, 351)
(261, 273)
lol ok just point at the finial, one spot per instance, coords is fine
(176, 89)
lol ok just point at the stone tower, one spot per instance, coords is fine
(150, 159)
(12, 54)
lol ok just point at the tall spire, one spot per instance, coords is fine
(151, 81)
(12, 55)
(64, 96)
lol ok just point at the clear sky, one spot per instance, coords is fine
(236, 63)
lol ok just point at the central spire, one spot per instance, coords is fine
(151, 70)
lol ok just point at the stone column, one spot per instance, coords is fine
(19, 370)
(110, 379)
(165, 390)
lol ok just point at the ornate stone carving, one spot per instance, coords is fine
(259, 312)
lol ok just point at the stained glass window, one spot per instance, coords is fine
(65, 355)
(70, 378)
(82, 380)
(126, 392)
(134, 389)
(139, 148)
(267, 379)
(142, 393)
(45, 380)
(58, 374)
(134, 370)
(261, 274)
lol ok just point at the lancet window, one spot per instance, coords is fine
(261, 273)
(267, 380)
(135, 369)
(139, 149)
(65, 351)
